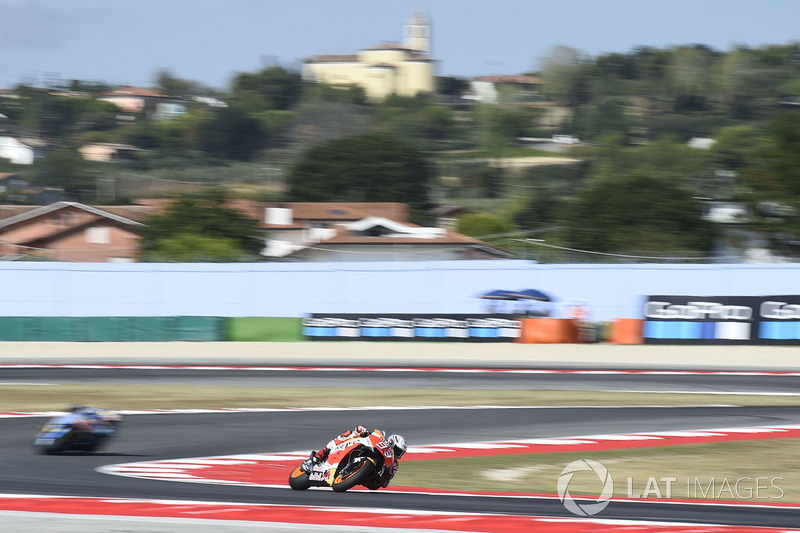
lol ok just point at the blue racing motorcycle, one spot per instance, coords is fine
(65, 433)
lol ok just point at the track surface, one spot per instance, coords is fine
(710, 383)
(151, 437)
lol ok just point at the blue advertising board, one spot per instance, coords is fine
(412, 327)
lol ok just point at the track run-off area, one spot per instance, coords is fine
(225, 469)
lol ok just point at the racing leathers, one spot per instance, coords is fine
(382, 479)
(358, 431)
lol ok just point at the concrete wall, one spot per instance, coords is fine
(296, 289)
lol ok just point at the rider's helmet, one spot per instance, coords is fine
(75, 408)
(399, 445)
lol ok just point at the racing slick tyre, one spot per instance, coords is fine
(353, 474)
(298, 479)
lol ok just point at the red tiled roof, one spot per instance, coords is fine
(7, 211)
(333, 58)
(134, 91)
(6, 175)
(248, 208)
(11, 215)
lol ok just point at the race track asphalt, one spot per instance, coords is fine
(154, 437)
(753, 383)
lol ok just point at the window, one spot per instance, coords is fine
(98, 235)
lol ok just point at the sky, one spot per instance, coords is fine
(210, 41)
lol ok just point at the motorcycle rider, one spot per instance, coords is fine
(86, 419)
(398, 443)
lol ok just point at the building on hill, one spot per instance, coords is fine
(151, 104)
(486, 89)
(22, 151)
(109, 152)
(388, 68)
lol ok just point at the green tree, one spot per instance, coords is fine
(91, 87)
(691, 73)
(736, 147)
(635, 213)
(782, 151)
(171, 85)
(566, 74)
(485, 225)
(540, 209)
(271, 88)
(374, 167)
(487, 181)
(232, 134)
(343, 94)
(414, 119)
(177, 138)
(499, 126)
(592, 120)
(64, 167)
(201, 214)
(451, 86)
(315, 122)
(193, 248)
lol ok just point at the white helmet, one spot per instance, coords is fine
(399, 445)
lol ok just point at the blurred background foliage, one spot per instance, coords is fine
(633, 185)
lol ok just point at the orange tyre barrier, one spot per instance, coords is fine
(626, 331)
(547, 331)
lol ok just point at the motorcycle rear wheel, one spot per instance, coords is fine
(360, 474)
(298, 479)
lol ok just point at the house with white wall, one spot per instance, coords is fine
(20, 150)
(152, 104)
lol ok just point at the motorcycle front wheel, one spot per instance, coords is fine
(298, 479)
(353, 474)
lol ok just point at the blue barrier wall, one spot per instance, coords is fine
(297, 289)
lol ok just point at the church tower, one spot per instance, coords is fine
(418, 33)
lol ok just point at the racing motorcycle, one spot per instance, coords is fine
(63, 433)
(356, 461)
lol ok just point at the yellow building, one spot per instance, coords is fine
(388, 68)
